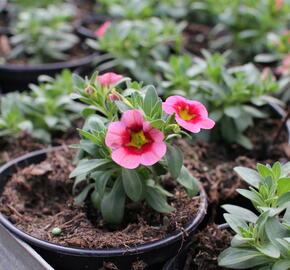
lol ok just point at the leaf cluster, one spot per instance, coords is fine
(46, 109)
(262, 239)
(137, 45)
(43, 34)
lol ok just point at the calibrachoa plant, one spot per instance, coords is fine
(45, 110)
(126, 151)
(135, 46)
(262, 239)
(43, 34)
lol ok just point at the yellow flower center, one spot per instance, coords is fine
(138, 139)
(184, 113)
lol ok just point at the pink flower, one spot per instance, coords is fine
(266, 72)
(279, 4)
(102, 29)
(109, 78)
(284, 69)
(134, 141)
(190, 114)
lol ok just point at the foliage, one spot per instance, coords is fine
(262, 239)
(237, 23)
(26, 4)
(47, 109)
(230, 94)
(134, 9)
(110, 180)
(43, 34)
(136, 45)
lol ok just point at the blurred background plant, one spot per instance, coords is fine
(135, 46)
(43, 34)
(138, 10)
(231, 94)
(44, 111)
(243, 26)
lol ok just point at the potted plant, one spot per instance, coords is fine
(258, 237)
(124, 166)
(31, 120)
(41, 42)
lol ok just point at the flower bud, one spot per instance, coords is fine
(174, 127)
(89, 90)
(115, 96)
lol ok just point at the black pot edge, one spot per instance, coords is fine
(99, 252)
(51, 66)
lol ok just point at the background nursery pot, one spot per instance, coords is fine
(62, 257)
(17, 77)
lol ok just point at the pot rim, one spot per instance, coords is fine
(51, 66)
(99, 252)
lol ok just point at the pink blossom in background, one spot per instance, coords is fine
(284, 69)
(190, 114)
(102, 29)
(109, 78)
(134, 141)
(265, 74)
(279, 4)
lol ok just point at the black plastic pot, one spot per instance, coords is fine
(177, 262)
(68, 258)
(82, 26)
(17, 77)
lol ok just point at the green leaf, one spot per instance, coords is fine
(187, 180)
(157, 201)
(244, 141)
(233, 111)
(235, 223)
(281, 265)
(174, 159)
(283, 185)
(264, 170)
(285, 169)
(242, 258)
(240, 212)
(82, 196)
(96, 199)
(132, 184)
(89, 165)
(251, 176)
(101, 179)
(250, 195)
(113, 203)
(269, 250)
(150, 100)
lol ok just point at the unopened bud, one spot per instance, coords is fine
(89, 90)
(115, 96)
(174, 127)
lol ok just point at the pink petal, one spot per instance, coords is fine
(102, 29)
(187, 125)
(157, 151)
(169, 104)
(126, 159)
(132, 118)
(199, 108)
(109, 78)
(206, 123)
(155, 134)
(117, 135)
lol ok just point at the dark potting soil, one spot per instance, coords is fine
(38, 198)
(196, 38)
(209, 243)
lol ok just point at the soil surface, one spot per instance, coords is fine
(210, 242)
(38, 198)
